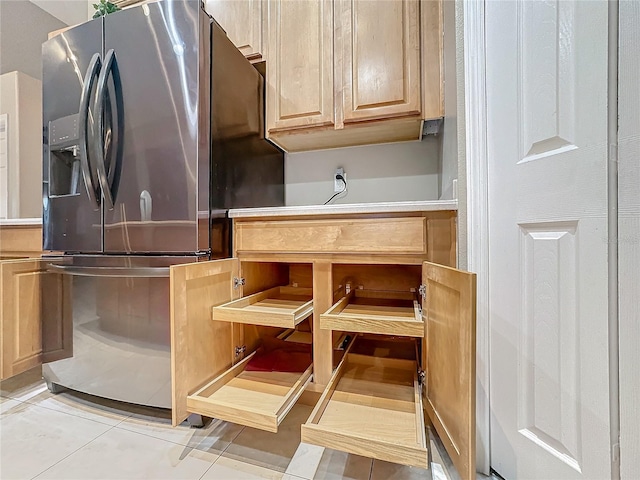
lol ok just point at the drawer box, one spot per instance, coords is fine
(251, 398)
(282, 307)
(372, 406)
(387, 313)
(405, 235)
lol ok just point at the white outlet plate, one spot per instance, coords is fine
(338, 185)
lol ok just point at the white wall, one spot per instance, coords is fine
(375, 173)
(449, 158)
(461, 132)
(629, 238)
(21, 101)
(23, 29)
(71, 12)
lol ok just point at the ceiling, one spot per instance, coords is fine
(70, 12)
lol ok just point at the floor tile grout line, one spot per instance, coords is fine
(229, 444)
(7, 397)
(118, 426)
(76, 450)
(209, 468)
(73, 414)
(296, 476)
(54, 395)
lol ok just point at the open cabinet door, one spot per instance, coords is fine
(449, 360)
(200, 348)
(35, 316)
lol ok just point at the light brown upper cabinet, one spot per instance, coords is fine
(300, 84)
(432, 59)
(242, 20)
(352, 72)
(379, 43)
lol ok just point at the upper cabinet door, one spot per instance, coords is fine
(449, 351)
(242, 20)
(200, 348)
(431, 13)
(300, 69)
(380, 49)
(35, 316)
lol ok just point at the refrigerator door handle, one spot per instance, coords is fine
(109, 180)
(143, 272)
(84, 114)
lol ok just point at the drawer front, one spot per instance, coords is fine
(380, 235)
(20, 241)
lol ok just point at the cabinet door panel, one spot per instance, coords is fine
(449, 358)
(432, 59)
(300, 71)
(242, 20)
(35, 316)
(380, 49)
(200, 347)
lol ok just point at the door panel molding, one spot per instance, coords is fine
(547, 88)
(549, 413)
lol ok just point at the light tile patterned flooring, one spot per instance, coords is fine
(75, 436)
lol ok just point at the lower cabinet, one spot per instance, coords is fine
(382, 337)
(220, 313)
(402, 343)
(35, 316)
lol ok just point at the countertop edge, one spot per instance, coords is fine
(341, 209)
(16, 222)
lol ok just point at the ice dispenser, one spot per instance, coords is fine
(65, 169)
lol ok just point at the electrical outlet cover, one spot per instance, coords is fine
(338, 185)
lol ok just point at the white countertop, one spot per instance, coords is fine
(20, 221)
(352, 208)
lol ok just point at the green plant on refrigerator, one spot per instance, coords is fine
(104, 7)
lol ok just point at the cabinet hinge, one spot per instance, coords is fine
(237, 282)
(421, 376)
(423, 291)
(240, 350)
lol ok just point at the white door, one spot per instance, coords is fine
(547, 126)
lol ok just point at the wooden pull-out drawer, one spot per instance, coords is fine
(372, 406)
(255, 399)
(282, 307)
(387, 313)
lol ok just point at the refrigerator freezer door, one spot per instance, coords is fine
(158, 47)
(71, 218)
(121, 334)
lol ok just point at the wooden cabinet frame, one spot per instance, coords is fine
(20, 241)
(352, 104)
(243, 22)
(203, 350)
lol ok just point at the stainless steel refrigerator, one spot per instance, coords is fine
(153, 127)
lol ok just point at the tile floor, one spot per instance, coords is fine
(75, 436)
